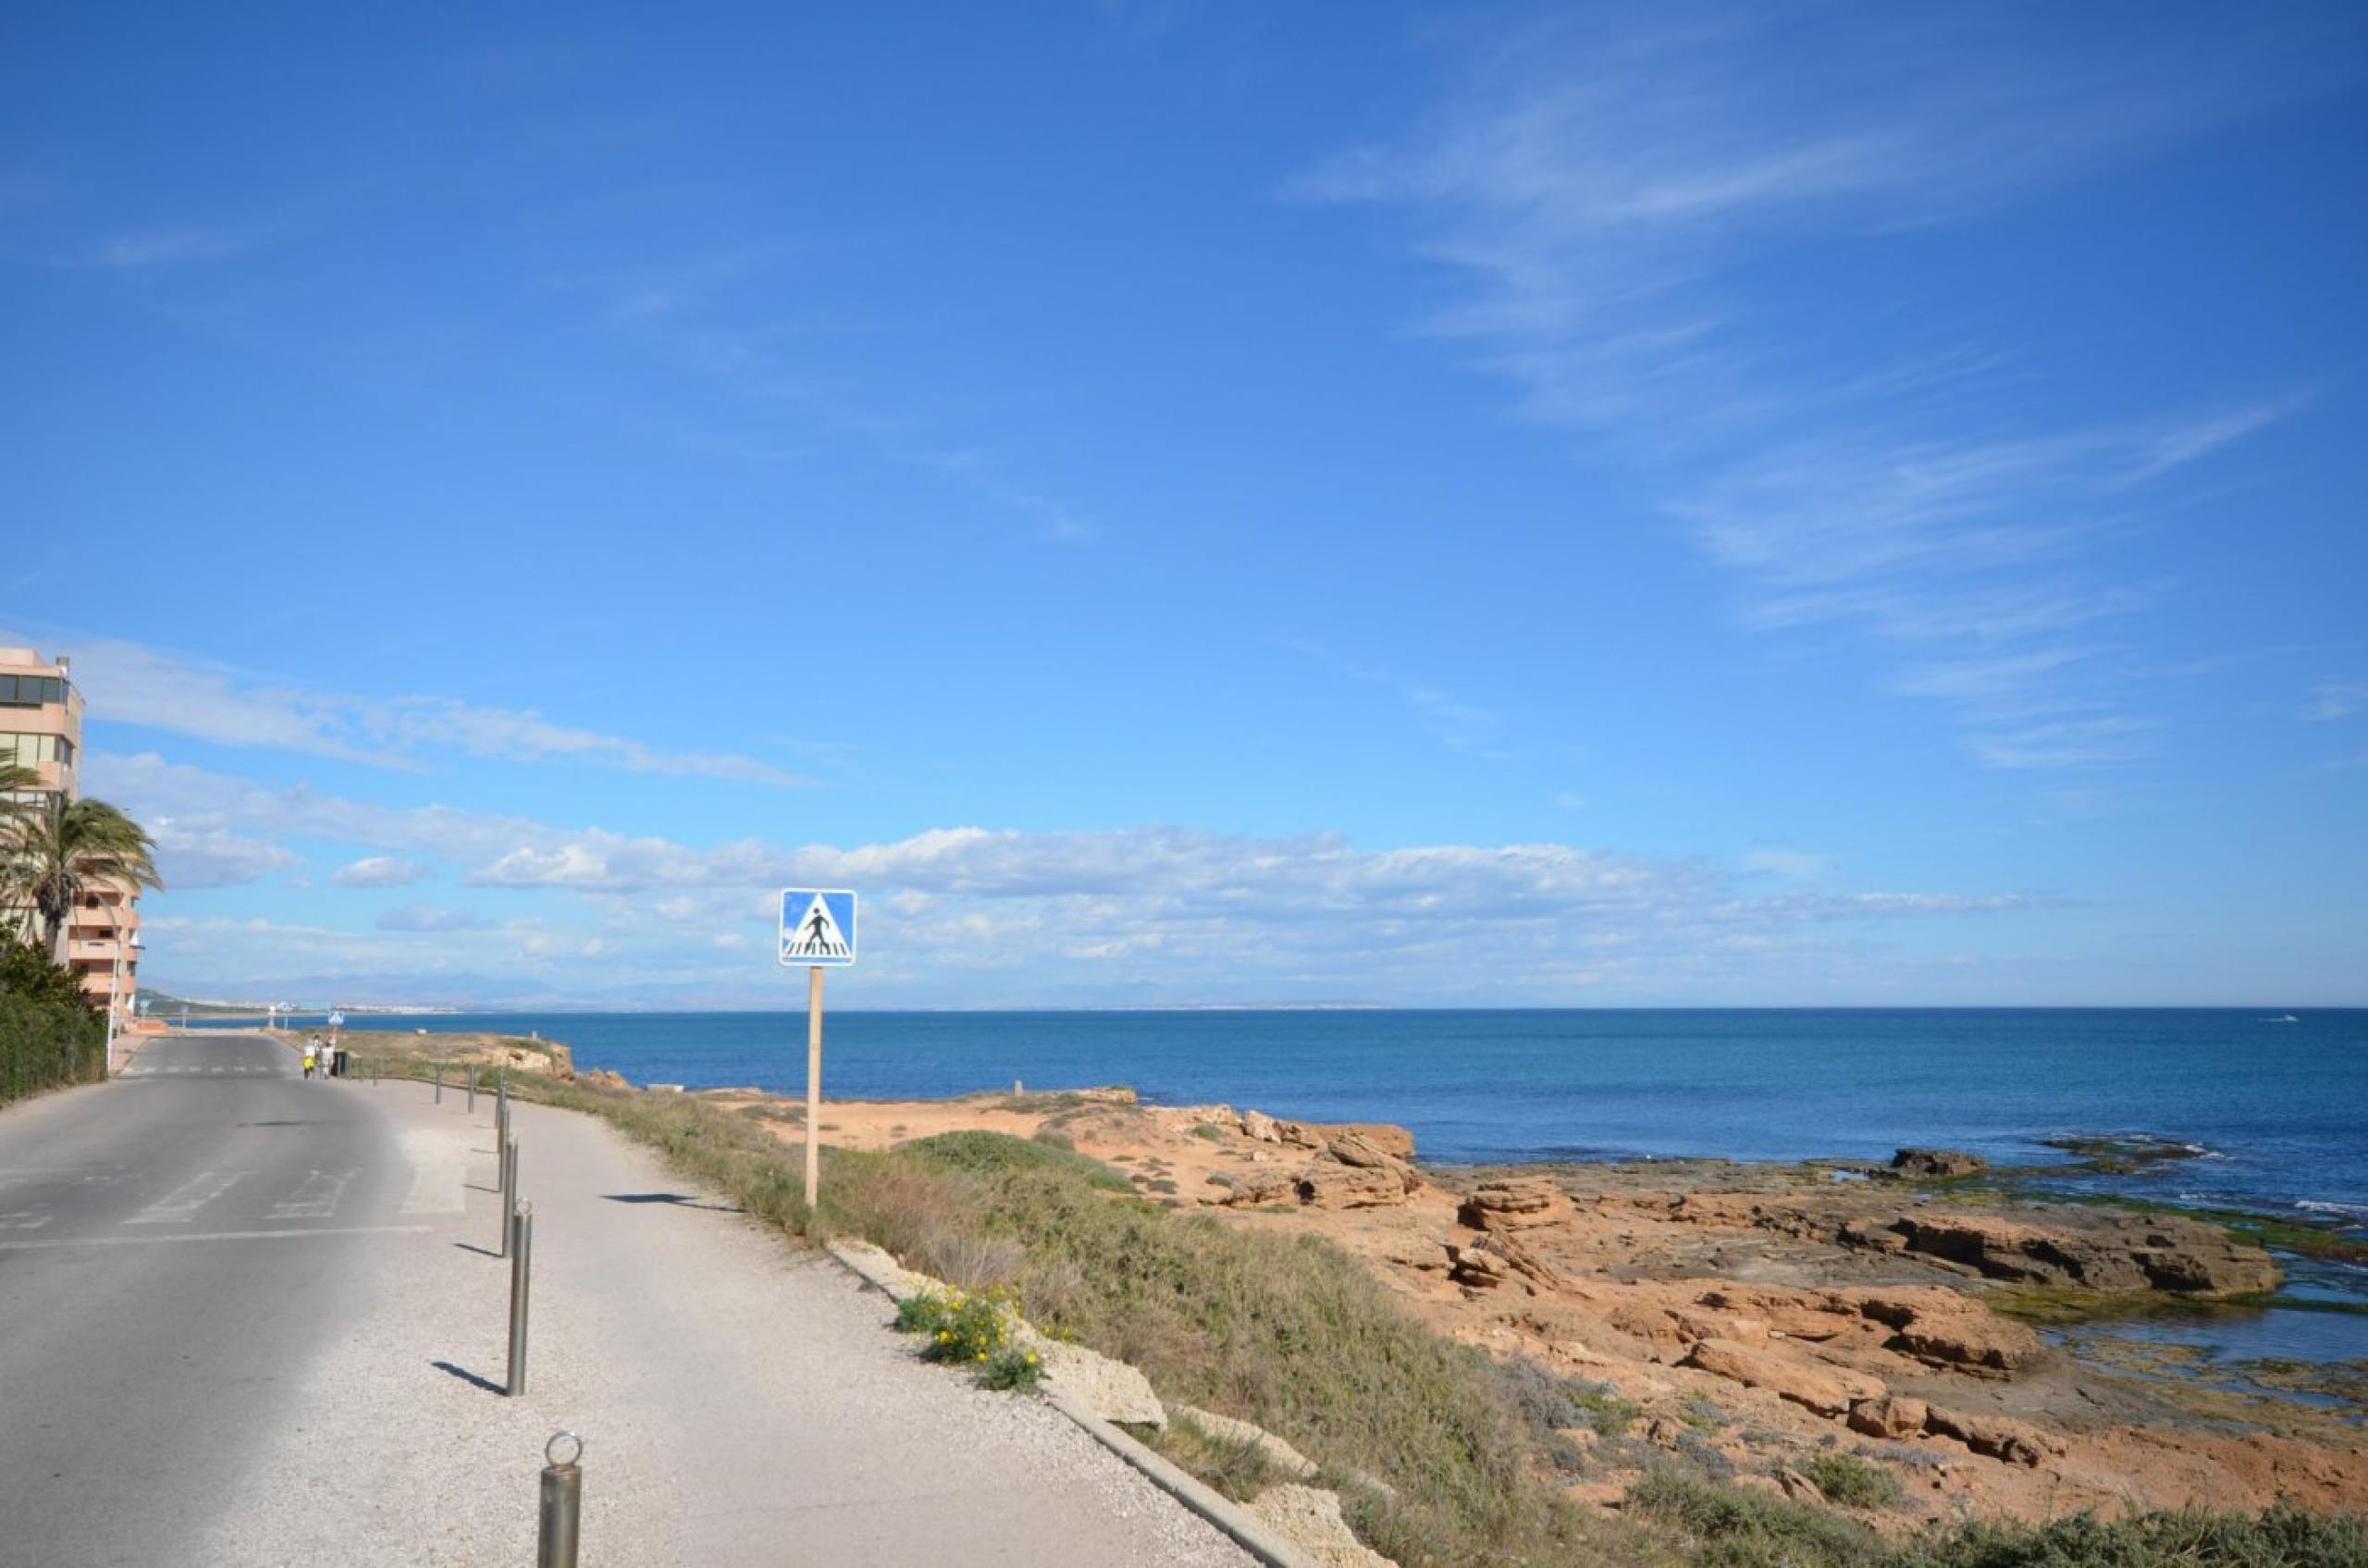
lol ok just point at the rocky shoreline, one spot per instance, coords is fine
(1746, 1319)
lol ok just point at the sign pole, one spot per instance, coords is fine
(813, 1082)
(817, 929)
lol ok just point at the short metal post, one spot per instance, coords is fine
(562, 1503)
(522, 1268)
(439, 1083)
(473, 1090)
(509, 1189)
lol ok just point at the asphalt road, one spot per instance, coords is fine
(176, 1247)
(246, 1320)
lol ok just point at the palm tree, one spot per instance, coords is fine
(17, 782)
(51, 853)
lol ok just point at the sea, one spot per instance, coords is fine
(2272, 1104)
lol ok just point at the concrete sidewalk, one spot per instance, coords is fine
(740, 1401)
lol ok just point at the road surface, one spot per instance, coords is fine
(173, 1246)
(245, 1318)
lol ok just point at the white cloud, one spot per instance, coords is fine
(197, 853)
(132, 684)
(424, 916)
(148, 786)
(379, 871)
(1794, 865)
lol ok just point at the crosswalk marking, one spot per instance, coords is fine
(24, 1220)
(181, 1206)
(438, 1159)
(316, 1199)
(49, 1241)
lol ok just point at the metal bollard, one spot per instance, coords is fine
(555, 1536)
(473, 1090)
(509, 1189)
(439, 1083)
(522, 1268)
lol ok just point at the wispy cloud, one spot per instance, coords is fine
(133, 684)
(2336, 700)
(694, 316)
(152, 249)
(1459, 724)
(1602, 187)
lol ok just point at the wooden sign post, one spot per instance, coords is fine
(817, 929)
(813, 1083)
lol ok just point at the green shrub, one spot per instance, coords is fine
(1551, 1403)
(1854, 1481)
(49, 1035)
(974, 1330)
(1728, 1527)
(2280, 1538)
(1013, 1371)
(999, 1154)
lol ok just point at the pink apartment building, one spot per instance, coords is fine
(41, 728)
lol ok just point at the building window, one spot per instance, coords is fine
(25, 750)
(31, 691)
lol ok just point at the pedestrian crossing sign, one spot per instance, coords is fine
(817, 926)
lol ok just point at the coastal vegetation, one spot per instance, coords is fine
(49, 1035)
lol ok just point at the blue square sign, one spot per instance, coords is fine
(817, 926)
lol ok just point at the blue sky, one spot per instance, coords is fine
(1208, 504)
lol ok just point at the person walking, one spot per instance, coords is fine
(311, 1057)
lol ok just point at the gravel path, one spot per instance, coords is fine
(741, 1401)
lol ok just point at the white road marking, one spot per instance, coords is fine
(24, 1220)
(181, 1206)
(436, 1189)
(439, 1160)
(316, 1199)
(214, 1236)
